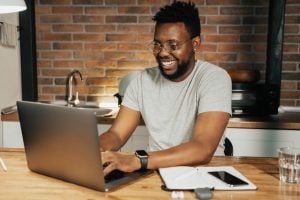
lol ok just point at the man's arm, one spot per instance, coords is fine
(121, 129)
(207, 133)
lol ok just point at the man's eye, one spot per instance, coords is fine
(173, 46)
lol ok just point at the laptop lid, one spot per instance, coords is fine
(62, 142)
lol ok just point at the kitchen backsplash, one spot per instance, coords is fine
(106, 39)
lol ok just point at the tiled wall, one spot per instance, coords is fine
(105, 39)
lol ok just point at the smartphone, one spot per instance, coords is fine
(228, 178)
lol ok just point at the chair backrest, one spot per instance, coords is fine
(228, 151)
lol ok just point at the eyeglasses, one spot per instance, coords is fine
(169, 46)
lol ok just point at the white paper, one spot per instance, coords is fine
(188, 178)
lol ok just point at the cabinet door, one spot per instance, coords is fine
(261, 142)
(12, 135)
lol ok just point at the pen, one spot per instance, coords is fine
(3, 165)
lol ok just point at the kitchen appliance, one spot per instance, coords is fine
(249, 96)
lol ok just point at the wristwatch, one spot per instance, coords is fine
(143, 156)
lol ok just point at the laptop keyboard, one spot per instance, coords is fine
(114, 175)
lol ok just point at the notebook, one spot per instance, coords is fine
(62, 142)
(189, 178)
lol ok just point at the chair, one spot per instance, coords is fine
(228, 151)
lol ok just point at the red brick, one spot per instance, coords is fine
(89, 2)
(220, 57)
(116, 55)
(67, 46)
(100, 46)
(223, 20)
(56, 55)
(235, 29)
(134, 10)
(55, 37)
(67, 28)
(121, 19)
(67, 10)
(54, 2)
(101, 64)
(101, 10)
(236, 11)
(68, 64)
(88, 55)
(55, 19)
(121, 37)
(88, 37)
(221, 38)
(100, 28)
(88, 19)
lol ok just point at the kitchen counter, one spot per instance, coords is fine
(285, 120)
(19, 182)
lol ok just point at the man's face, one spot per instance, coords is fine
(177, 64)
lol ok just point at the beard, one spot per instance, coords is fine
(181, 70)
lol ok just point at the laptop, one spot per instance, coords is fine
(63, 143)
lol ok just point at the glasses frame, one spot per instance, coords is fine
(166, 47)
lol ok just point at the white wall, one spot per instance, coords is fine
(10, 70)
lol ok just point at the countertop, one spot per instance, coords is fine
(18, 182)
(285, 120)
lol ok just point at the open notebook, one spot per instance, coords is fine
(189, 178)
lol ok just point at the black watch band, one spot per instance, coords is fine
(143, 156)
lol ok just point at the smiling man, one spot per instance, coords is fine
(185, 103)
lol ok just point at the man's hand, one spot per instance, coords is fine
(123, 162)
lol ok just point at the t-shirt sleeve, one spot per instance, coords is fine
(132, 94)
(215, 92)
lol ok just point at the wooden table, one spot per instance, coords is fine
(20, 183)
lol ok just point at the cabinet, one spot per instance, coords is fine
(246, 142)
(261, 142)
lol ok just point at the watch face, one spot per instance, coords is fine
(141, 153)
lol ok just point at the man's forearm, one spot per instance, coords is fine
(109, 141)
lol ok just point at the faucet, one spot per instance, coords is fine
(70, 88)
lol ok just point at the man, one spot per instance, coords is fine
(185, 103)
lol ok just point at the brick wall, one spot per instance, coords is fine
(106, 39)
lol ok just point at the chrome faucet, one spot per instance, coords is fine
(71, 76)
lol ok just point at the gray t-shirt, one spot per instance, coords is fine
(170, 109)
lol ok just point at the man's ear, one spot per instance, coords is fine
(196, 43)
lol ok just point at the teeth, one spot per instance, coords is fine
(168, 62)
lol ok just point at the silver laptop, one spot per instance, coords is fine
(63, 142)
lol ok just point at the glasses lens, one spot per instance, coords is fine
(155, 47)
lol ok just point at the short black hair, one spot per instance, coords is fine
(180, 11)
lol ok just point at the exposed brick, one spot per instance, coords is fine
(68, 64)
(222, 38)
(118, 2)
(67, 46)
(223, 2)
(100, 28)
(235, 29)
(118, 55)
(223, 19)
(67, 10)
(55, 37)
(101, 64)
(88, 19)
(288, 85)
(101, 10)
(121, 19)
(88, 2)
(234, 48)
(67, 28)
(56, 55)
(237, 11)
(100, 46)
(220, 57)
(121, 37)
(88, 55)
(208, 11)
(55, 19)
(54, 2)
(102, 81)
(134, 28)
(87, 37)
(134, 10)
(133, 64)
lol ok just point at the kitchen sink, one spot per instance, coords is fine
(92, 106)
